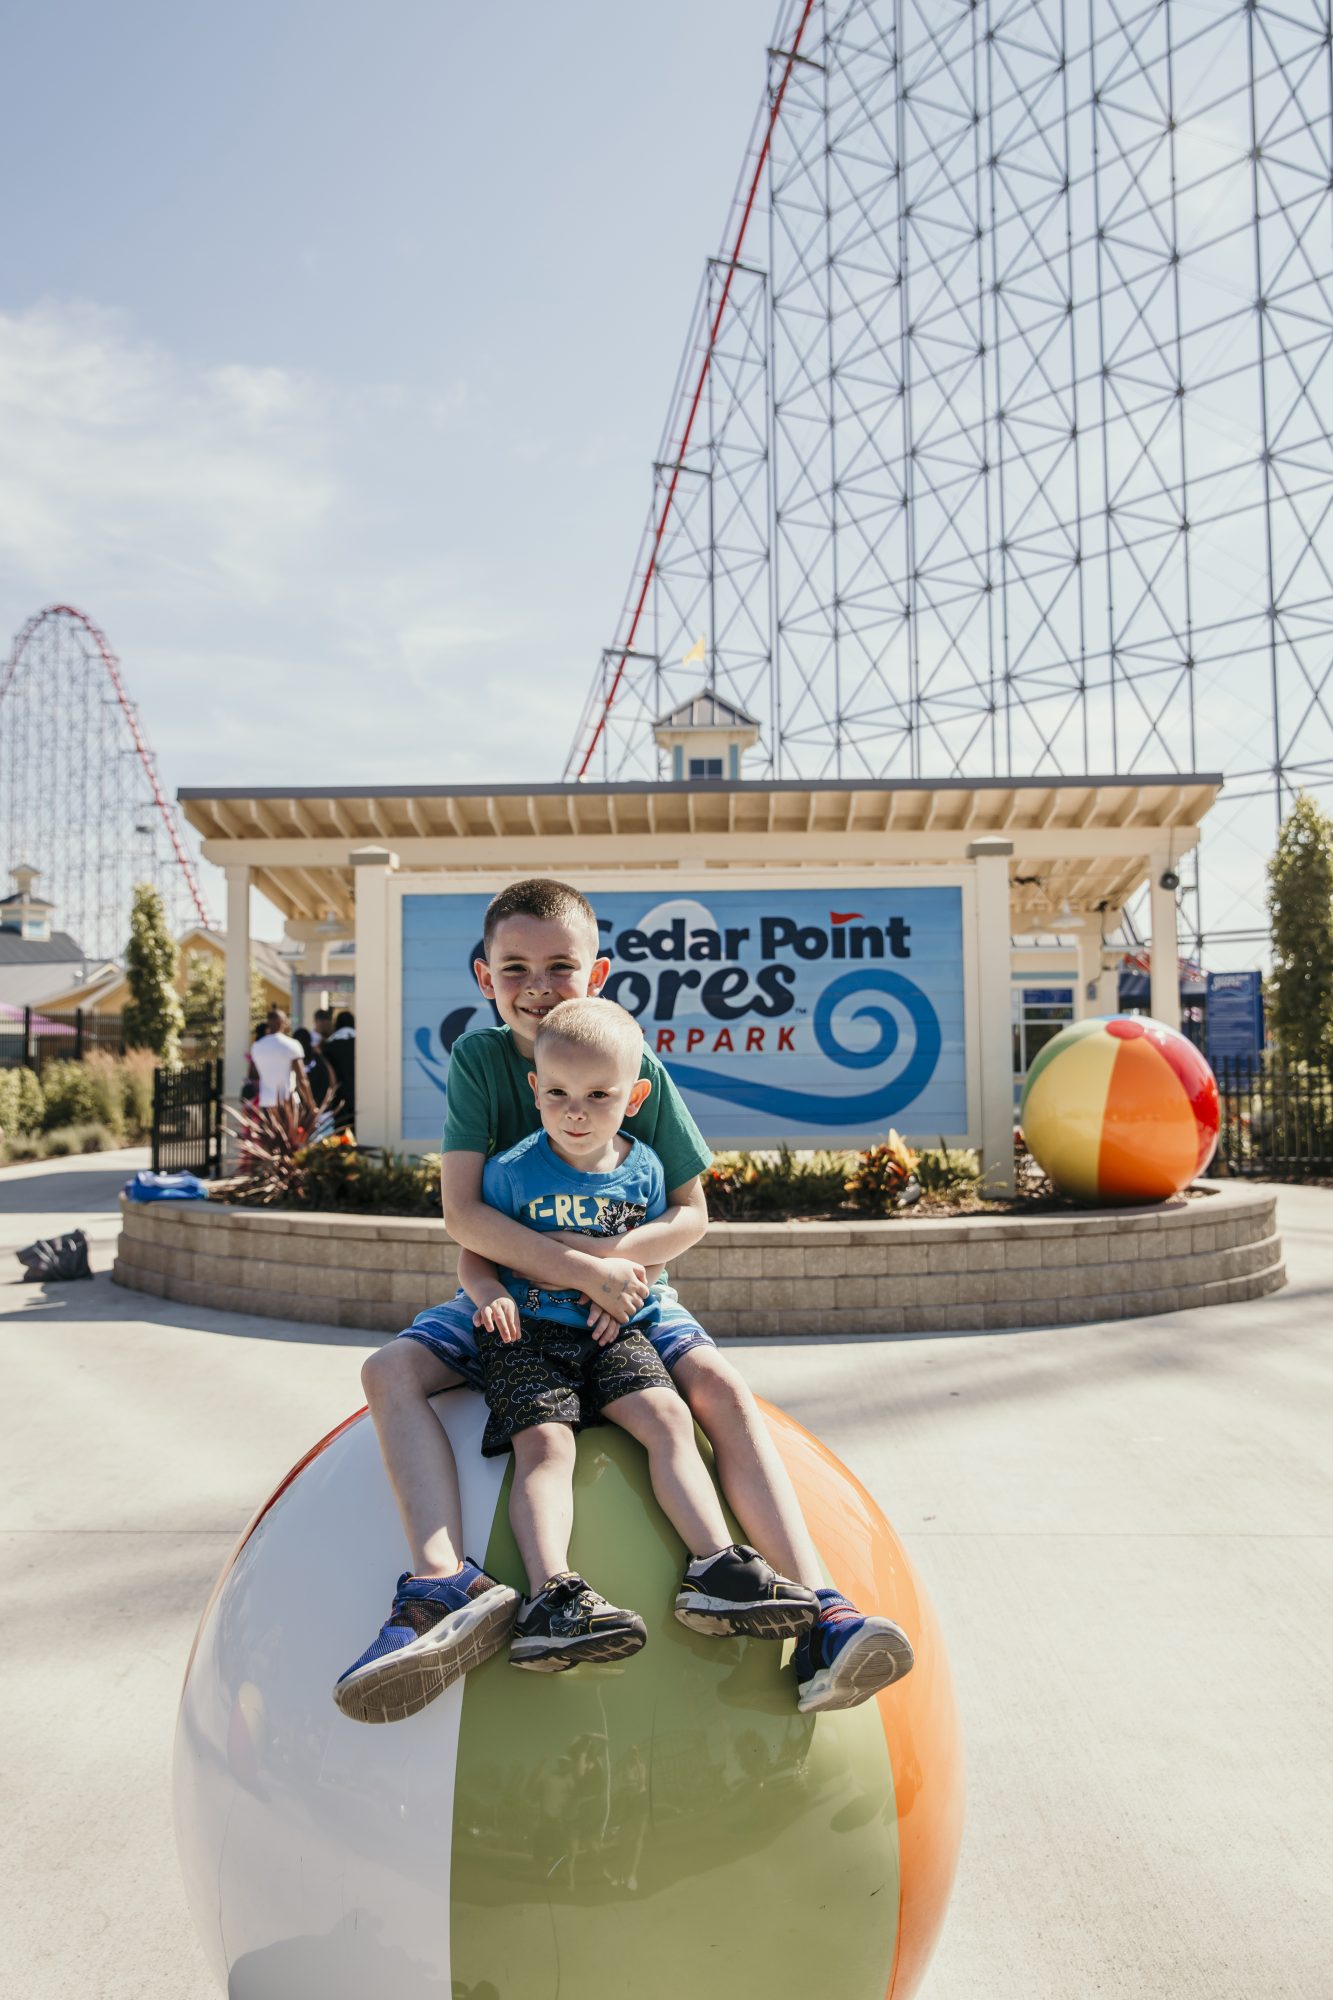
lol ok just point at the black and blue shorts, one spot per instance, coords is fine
(447, 1331)
(555, 1374)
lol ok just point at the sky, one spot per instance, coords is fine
(335, 346)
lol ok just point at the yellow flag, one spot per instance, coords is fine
(698, 651)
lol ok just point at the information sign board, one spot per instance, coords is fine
(810, 1016)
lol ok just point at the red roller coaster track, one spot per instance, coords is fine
(130, 713)
(692, 409)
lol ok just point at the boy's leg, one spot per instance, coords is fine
(532, 1392)
(756, 1483)
(541, 1501)
(563, 1620)
(846, 1656)
(728, 1589)
(447, 1614)
(662, 1424)
(399, 1381)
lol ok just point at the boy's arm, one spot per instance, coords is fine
(616, 1283)
(479, 1278)
(496, 1307)
(682, 1224)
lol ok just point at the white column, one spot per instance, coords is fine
(994, 952)
(1108, 977)
(1165, 988)
(372, 868)
(237, 1027)
(1087, 1000)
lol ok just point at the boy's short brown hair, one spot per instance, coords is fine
(593, 1024)
(549, 902)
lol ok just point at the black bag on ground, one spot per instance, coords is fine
(56, 1257)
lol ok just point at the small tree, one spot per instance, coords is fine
(205, 987)
(1300, 906)
(153, 1014)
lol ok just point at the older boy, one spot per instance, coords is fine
(542, 946)
(546, 1374)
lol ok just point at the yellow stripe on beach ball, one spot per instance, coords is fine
(1063, 1110)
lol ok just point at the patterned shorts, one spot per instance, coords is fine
(448, 1332)
(554, 1374)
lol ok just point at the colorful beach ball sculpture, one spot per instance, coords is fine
(1121, 1109)
(668, 1825)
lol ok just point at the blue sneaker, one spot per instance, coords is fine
(439, 1627)
(846, 1657)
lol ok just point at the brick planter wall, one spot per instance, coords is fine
(375, 1273)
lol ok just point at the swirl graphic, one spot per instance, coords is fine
(874, 1106)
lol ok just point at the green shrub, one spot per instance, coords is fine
(69, 1139)
(31, 1102)
(137, 1068)
(338, 1176)
(9, 1103)
(106, 1087)
(750, 1186)
(947, 1169)
(70, 1096)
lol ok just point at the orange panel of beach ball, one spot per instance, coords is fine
(1120, 1109)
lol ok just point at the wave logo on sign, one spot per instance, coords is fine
(874, 1106)
(677, 960)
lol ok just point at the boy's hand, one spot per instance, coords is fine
(500, 1316)
(619, 1288)
(602, 1327)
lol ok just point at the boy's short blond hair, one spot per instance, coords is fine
(593, 1024)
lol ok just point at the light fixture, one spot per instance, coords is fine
(331, 927)
(1169, 881)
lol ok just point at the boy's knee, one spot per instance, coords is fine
(543, 1444)
(389, 1371)
(716, 1394)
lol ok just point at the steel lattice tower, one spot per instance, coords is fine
(80, 798)
(1003, 441)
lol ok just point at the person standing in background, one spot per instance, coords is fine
(279, 1062)
(317, 1072)
(339, 1052)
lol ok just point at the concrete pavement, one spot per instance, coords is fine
(1127, 1528)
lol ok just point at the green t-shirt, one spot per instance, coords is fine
(489, 1106)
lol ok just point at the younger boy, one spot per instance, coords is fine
(541, 946)
(546, 1376)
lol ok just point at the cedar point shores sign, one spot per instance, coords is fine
(812, 1016)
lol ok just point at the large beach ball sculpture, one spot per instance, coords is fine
(668, 1825)
(1120, 1109)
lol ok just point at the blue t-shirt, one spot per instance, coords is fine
(533, 1184)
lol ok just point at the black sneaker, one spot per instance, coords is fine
(735, 1594)
(567, 1623)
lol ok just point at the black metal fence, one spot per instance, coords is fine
(30, 1037)
(1277, 1119)
(187, 1120)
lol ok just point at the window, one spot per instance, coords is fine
(1039, 1013)
(705, 767)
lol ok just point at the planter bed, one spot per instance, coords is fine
(971, 1273)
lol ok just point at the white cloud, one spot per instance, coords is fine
(114, 450)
